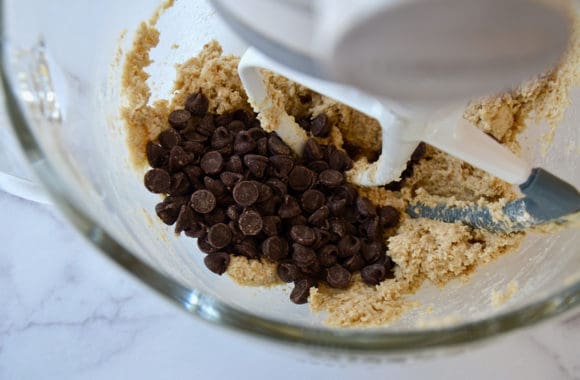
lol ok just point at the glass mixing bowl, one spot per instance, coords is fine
(61, 66)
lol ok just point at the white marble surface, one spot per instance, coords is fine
(67, 312)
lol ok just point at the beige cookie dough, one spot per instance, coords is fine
(424, 250)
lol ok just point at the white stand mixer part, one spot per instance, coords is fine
(451, 134)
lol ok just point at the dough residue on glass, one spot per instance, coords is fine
(424, 250)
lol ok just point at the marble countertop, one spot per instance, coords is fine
(69, 313)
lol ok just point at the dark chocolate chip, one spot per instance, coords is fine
(234, 164)
(167, 212)
(243, 142)
(339, 227)
(271, 225)
(197, 104)
(304, 123)
(419, 152)
(336, 205)
(319, 216)
(346, 192)
(281, 165)
(257, 133)
(180, 185)
(250, 222)
(289, 272)
(320, 127)
(242, 116)
(233, 212)
(270, 206)
(206, 125)
(221, 138)
(237, 235)
(246, 193)
(179, 118)
(338, 159)
(194, 174)
(303, 256)
(301, 178)
(331, 178)
(203, 201)
(169, 138)
(191, 134)
(323, 237)
(218, 215)
(372, 251)
(179, 158)
(256, 164)
(156, 155)
(318, 166)
(301, 291)
(389, 216)
(262, 146)
(338, 277)
(265, 191)
(289, 207)
(219, 235)
(348, 246)
(277, 186)
(328, 255)
(224, 119)
(157, 181)
(354, 263)
(298, 220)
(217, 262)
(370, 228)
(193, 147)
(277, 146)
(197, 229)
(247, 248)
(373, 274)
(212, 162)
(236, 126)
(312, 200)
(302, 234)
(216, 186)
(365, 207)
(275, 248)
(313, 151)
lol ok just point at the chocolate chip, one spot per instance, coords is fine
(323, 237)
(157, 181)
(237, 235)
(298, 220)
(289, 207)
(256, 164)
(236, 126)
(313, 151)
(179, 158)
(339, 227)
(301, 178)
(389, 216)
(354, 263)
(246, 193)
(348, 246)
(320, 127)
(262, 146)
(219, 235)
(318, 166)
(331, 178)
(303, 256)
(221, 138)
(203, 201)
(223, 119)
(243, 142)
(304, 123)
(373, 274)
(193, 147)
(370, 228)
(271, 225)
(233, 212)
(196, 229)
(303, 235)
(179, 118)
(338, 159)
(242, 116)
(217, 215)
(336, 205)
(301, 291)
(270, 206)
(277, 186)
(312, 200)
(257, 133)
(372, 251)
(197, 104)
(277, 146)
(216, 186)
(281, 165)
(328, 255)
(169, 138)
(289, 272)
(167, 212)
(365, 207)
(247, 248)
(338, 277)
(156, 155)
(250, 222)
(234, 164)
(351, 149)
(346, 192)
(265, 191)
(212, 162)
(217, 262)
(206, 125)
(180, 185)
(194, 174)
(419, 152)
(204, 246)
(319, 216)
(275, 248)
(191, 134)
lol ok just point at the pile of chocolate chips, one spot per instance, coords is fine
(240, 191)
